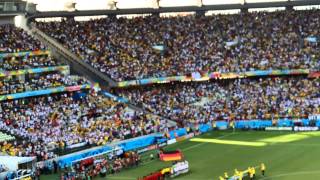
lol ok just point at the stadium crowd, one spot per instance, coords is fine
(62, 120)
(240, 99)
(23, 62)
(13, 39)
(124, 48)
(40, 82)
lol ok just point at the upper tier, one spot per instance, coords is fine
(145, 47)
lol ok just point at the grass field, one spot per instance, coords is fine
(287, 155)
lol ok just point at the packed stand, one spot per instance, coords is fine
(63, 120)
(240, 99)
(124, 48)
(40, 82)
(14, 39)
(27, 62)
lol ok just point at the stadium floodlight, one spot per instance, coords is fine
(112, 4)
(199, 3)
(70, 6)
(156, 4)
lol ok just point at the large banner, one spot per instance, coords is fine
(198, 76)
(25, 53)
(44, 92)
(63, 69)
(314, 75)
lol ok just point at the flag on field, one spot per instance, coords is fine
(171, 155)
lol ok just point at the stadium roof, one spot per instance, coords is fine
(58, 5)
(58, 10)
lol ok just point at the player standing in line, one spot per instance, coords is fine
(226, 175)
(263, 169)
(250, 173)
(254, 172)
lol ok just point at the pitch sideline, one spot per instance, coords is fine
(186, 149)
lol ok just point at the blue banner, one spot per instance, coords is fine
(115, 98)
(44, 92)
(178, 133)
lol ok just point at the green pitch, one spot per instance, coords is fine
(287, 155)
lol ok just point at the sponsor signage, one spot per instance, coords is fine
(162, 144)
(149, 148)
(76, 145)
(171, 141)
(187, 136)
(181, 138)
(179, 168)
(305, 128)
(278, 128)
(314, 117)
(190, 135)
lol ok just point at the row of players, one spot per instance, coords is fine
(124, 48)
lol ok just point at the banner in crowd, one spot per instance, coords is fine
(34, 71)
(171, 155)
(115, 98)
(45, 92)
(311, 39)
(314, 117)
(198, 76)
(314, 75)
(25, 53)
